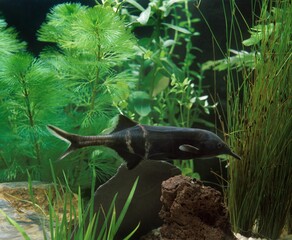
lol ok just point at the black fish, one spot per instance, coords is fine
(135, 142)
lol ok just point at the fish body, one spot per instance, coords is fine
(135, 142)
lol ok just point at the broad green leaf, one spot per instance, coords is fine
(168, 43)
(144, 16)
(141, 103)
(161, 83)
(258, 33)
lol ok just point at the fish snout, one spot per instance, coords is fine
(233, 154)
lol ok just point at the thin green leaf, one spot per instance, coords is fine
(135, 4)
(177, 28)
(127, 204)
(132, 233)
(16, 225)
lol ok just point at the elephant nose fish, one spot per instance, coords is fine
(135, 142)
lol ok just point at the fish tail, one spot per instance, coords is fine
(70, 138)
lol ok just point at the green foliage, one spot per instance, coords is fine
(92, 44)
(260, 120)
(84, 78)
(77, 84)
(241, 60)
(80, 222)
(25, 107)
(9, 43)
(169, 91)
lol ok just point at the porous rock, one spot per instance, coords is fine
(192, 211)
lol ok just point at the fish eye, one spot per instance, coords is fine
(219, 145)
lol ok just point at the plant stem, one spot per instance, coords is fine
(95, 82)
(30, 117)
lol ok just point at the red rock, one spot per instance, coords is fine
(192, 211)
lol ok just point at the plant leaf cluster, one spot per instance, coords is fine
(77, 83)
(165, 62)
(84, 78)
(169, 90)
(25, 107)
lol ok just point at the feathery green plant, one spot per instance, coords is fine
(9, 43)
(77, 83)
(91, 44)
(25, 107)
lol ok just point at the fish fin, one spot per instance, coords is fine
(189, 148)
(67, 152)
(123, 123)
(70, 138)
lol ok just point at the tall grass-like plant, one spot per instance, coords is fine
(68, 216)
(260, 123)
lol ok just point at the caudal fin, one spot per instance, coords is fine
(70, 138)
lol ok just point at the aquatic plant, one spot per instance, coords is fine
(260, 124)
(91, 44)
(25, 108)
(87, 79)
(74, 222)
(77, 82)
(170, 91)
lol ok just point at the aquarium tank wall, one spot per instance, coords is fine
(224, 66)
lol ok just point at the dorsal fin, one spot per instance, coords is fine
(123, 123)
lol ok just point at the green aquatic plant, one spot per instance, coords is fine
(260, 123)
(77, 82)
(84, 78)
(25, 107)
(266, 128)
(9, 43)
(74, 222)
(168, 90)
(91, 45)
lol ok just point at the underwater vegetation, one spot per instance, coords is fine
(260, 121)
(43, 90)
(94, 68)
